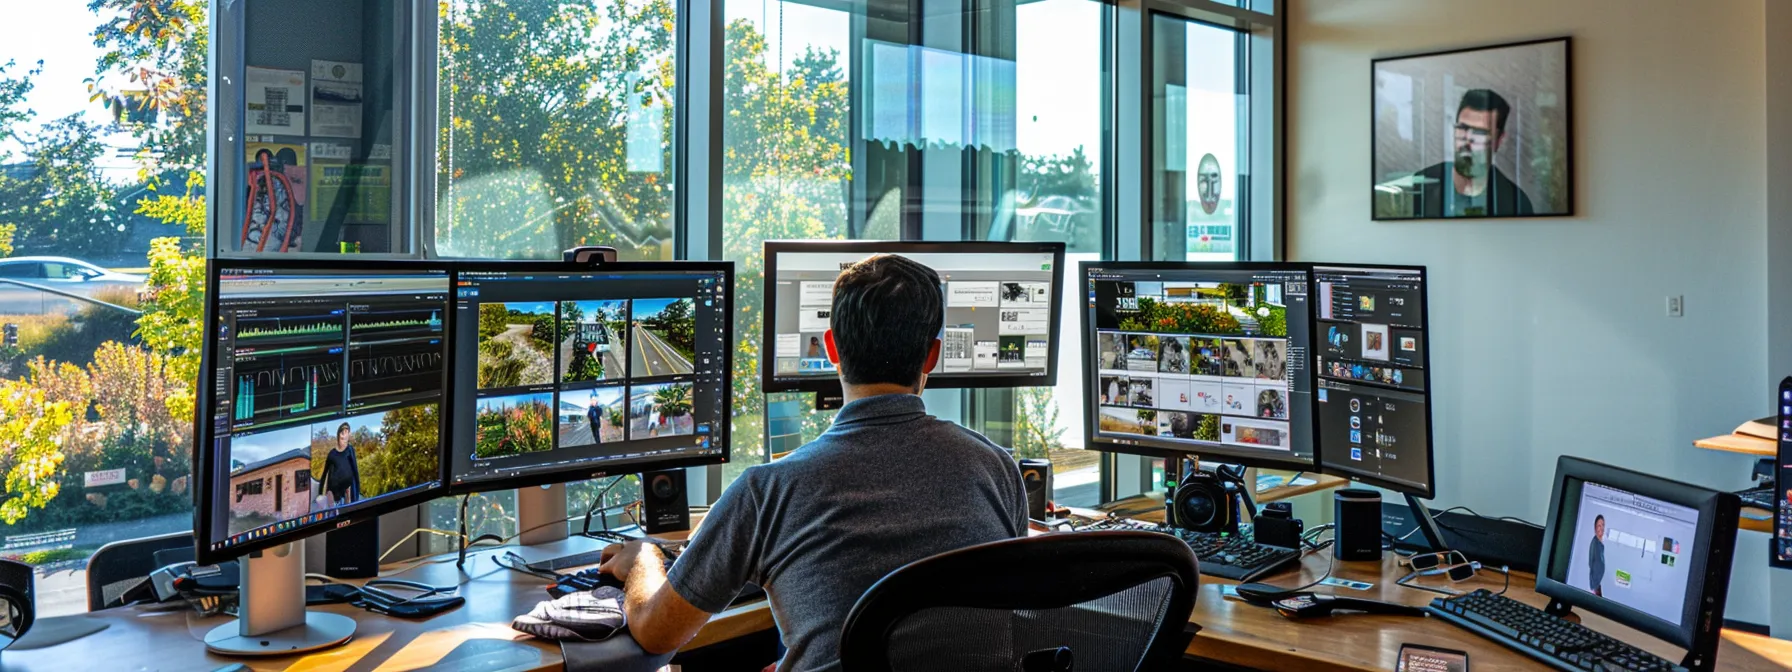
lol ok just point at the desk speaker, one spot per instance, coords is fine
(1036, 477)
(663, 504)
(1358, 515)
(353, 552)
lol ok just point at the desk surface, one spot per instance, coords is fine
(475, 636)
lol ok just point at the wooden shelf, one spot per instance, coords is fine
(1738, 443)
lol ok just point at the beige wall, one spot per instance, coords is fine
(1550, 335)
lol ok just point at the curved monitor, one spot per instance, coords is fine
(321, 401)
(1185, 359)
(1002, 307)
(568, 372)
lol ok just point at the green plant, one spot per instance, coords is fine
(29, 452)
(673, 401)
(584, 366)
(1208, 429)
(1036, 430)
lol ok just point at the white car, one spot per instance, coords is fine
(69, 275)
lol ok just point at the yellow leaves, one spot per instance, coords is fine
(30, 427)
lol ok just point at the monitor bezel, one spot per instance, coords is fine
(1782, 507)
(572, 474)
(830, 385)
(1341, 469)
(1717, 511)
(204, 437)
(1218, 454)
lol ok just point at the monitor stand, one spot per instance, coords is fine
(271, 616)
(537, 511)
(1421, 516)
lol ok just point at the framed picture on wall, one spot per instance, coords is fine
(1473, 133)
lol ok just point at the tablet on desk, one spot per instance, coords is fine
(1415, 658)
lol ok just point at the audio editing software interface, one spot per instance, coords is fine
(590, 368)
(998, 312)
(327, 393)
(1369, 341)
(1202, 359)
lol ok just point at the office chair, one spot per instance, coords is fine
(122, 565)
(1111, 600)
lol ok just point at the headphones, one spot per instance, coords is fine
(1207, 501)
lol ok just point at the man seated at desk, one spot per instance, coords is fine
(817, 528)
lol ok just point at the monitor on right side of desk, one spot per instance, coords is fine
(1780, 546)
(1371, 366)
(1650, 553)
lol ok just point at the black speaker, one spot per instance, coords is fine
(1036, 477)
(663, 503)
(1357, 512)
(353, 552)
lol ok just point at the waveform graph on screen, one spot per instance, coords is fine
(274, 384)
(393, 322)
(388, 370)
(270, 327)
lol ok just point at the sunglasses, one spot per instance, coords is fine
(1425, 562)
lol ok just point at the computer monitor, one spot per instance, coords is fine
(1780, 546)
(1647, 552)
(1371, 363)
(1002, 303)
(1184, 359)
(568, 372)
(322, 398)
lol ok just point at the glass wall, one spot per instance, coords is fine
(554, 128)
(1202, 164)
(102, 158)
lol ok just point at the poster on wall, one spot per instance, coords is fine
(349, 192)
(335, 99)
(1473, 133)
(274, 101)
(277, 182)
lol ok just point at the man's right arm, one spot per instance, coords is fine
(725, 552)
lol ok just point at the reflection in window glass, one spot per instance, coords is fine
(555, 128)
(1198, 168)
(1058, 98)
(786, 170)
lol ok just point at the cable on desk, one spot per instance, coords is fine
(457, 537)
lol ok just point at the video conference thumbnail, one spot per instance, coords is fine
(1198, 361)
(285, 474)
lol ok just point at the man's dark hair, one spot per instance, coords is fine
(1598, 519)
(887, 311)
(1487, 101)
(341, 428)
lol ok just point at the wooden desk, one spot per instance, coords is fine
(1240, 634)
(475, 636)
(1738, 443)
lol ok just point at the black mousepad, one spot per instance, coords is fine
(48, 632)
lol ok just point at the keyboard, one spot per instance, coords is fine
(1760, 498)
(1559, 643)
(1232, 557)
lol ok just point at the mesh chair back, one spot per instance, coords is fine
(122, 565)
(1117, 600)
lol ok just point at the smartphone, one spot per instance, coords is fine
(1415, 658)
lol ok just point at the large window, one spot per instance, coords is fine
(1202, 160)
(555, 127)
(102, 114)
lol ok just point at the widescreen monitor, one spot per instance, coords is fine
(1780, 546)
(1371, 361)
(322, 398)
(1647, 552)
(1001, 318)
(1187, 359)
(569, 372)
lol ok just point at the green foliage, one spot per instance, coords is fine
(410, 454)
(1181, 318)
(514, 430)
(493, 320)
(1036, 430)
(496, 367)
(60, 202)
(673, 401)
(535, 125)
(1276, 323)
(155, 63)
(541, 332)
(45, 557)
(174, 315)
(677, 327)
(584, 366)
(1208, 429)
(29, 452)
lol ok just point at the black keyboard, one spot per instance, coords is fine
(1559, 643)
(1224, 556)
(1760, 498)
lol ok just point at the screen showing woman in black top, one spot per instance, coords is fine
(341, 479)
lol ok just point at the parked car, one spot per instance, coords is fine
(69, 275)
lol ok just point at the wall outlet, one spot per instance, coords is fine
(1676, 306)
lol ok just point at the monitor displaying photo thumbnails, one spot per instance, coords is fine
(1199, 360)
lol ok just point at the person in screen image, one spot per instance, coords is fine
(594, 416)
(340, 482)
(814, 347)
(1476, 188)
(782, 524)
(1596, 557)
